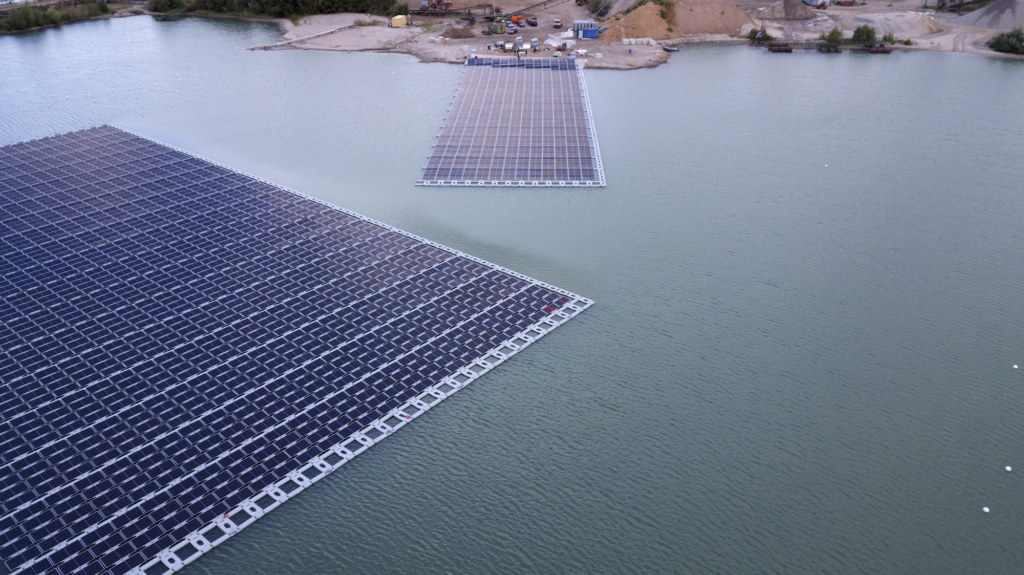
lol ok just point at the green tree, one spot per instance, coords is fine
(833, 37)
(864, 34)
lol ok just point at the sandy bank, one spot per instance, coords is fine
(694, 21)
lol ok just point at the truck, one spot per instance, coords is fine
(519, 21)
(558, 22)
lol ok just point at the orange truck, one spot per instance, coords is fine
(519, 20)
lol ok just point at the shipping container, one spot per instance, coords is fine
(399, 21)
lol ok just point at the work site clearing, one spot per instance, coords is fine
(633, 33)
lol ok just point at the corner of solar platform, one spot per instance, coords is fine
(554, 144)
(107, 458)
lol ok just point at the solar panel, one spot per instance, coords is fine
(185, 347)
(518, 122)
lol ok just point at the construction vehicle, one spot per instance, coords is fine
(440, 5)
(558, 22)
(519, 21)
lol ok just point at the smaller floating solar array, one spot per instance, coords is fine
(518, 122)
(184, 347)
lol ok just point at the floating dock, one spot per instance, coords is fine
(518, 122)
(184, 347)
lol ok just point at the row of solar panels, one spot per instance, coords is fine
(187, 259)
(546, 63)
(145, 379)
(183, 336)
(208, 451)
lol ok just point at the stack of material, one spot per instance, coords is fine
(999, 15)
(689, 18)
(789, 10)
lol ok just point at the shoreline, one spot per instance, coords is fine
(425, 40)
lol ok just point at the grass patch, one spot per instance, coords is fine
(362, 22)
(667, 12)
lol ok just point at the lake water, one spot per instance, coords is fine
(808, 271)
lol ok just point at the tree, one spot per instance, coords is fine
(864, 34)
(833, 37)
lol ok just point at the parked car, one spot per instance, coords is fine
(558, 22)
(532, 21)
(512, 30)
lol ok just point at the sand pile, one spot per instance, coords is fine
(999, 15)
(709, 17)
(789, 10)
(901, 24)
(692, 17)
(644, 22)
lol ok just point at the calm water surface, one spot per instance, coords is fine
(807, 270)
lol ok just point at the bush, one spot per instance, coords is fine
(1011, 42)
(864, 34)
(833, 37)
(400, 9)
(52, 17)
(889, 38)
(24, 17)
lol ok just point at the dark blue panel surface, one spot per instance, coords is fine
(171, 327)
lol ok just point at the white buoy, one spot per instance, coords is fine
(1015, 366)
(985, 509)
(1008, 468)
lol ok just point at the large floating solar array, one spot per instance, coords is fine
(184, 347)
(518, 122)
